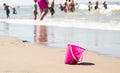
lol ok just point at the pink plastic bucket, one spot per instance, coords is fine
(74, 54)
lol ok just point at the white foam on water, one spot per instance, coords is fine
(78, 24)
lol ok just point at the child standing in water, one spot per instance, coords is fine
(35, 9)
(89, 5)
(14, 11)
(43, 5)
(6, 8)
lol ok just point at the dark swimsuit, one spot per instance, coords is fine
(7, 11)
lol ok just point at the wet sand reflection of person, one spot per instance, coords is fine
(42, 34)
(35, 33)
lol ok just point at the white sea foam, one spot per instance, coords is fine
(78, 24)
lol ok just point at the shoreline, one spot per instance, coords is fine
(110, 38)
(19, 57)
(46, 45)
(48, 22)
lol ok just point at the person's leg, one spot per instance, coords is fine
(35, 15)
(43, 13)
(7, 13)
(52, 11)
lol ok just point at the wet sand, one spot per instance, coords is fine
(19, 57)
(102, 41)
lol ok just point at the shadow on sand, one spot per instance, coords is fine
(86, 63)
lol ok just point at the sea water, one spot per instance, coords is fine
(97, 30)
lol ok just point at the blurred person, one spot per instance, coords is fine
(61, 7)
(35, 9)
(14, 10)
(89, 5)
(96, 5)
(71, 5)
(76, 5)
(43, 5)
(51, 7)
(6, 8)
(65, 5)
(105, 5)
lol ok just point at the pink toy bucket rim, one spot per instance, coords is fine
(80, 59)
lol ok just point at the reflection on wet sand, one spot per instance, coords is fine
(105, 41)
(35, 33)
(42, 34)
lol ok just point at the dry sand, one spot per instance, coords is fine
(18, 57)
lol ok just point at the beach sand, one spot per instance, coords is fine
(19, 57)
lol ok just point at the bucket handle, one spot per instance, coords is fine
(74, 55)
